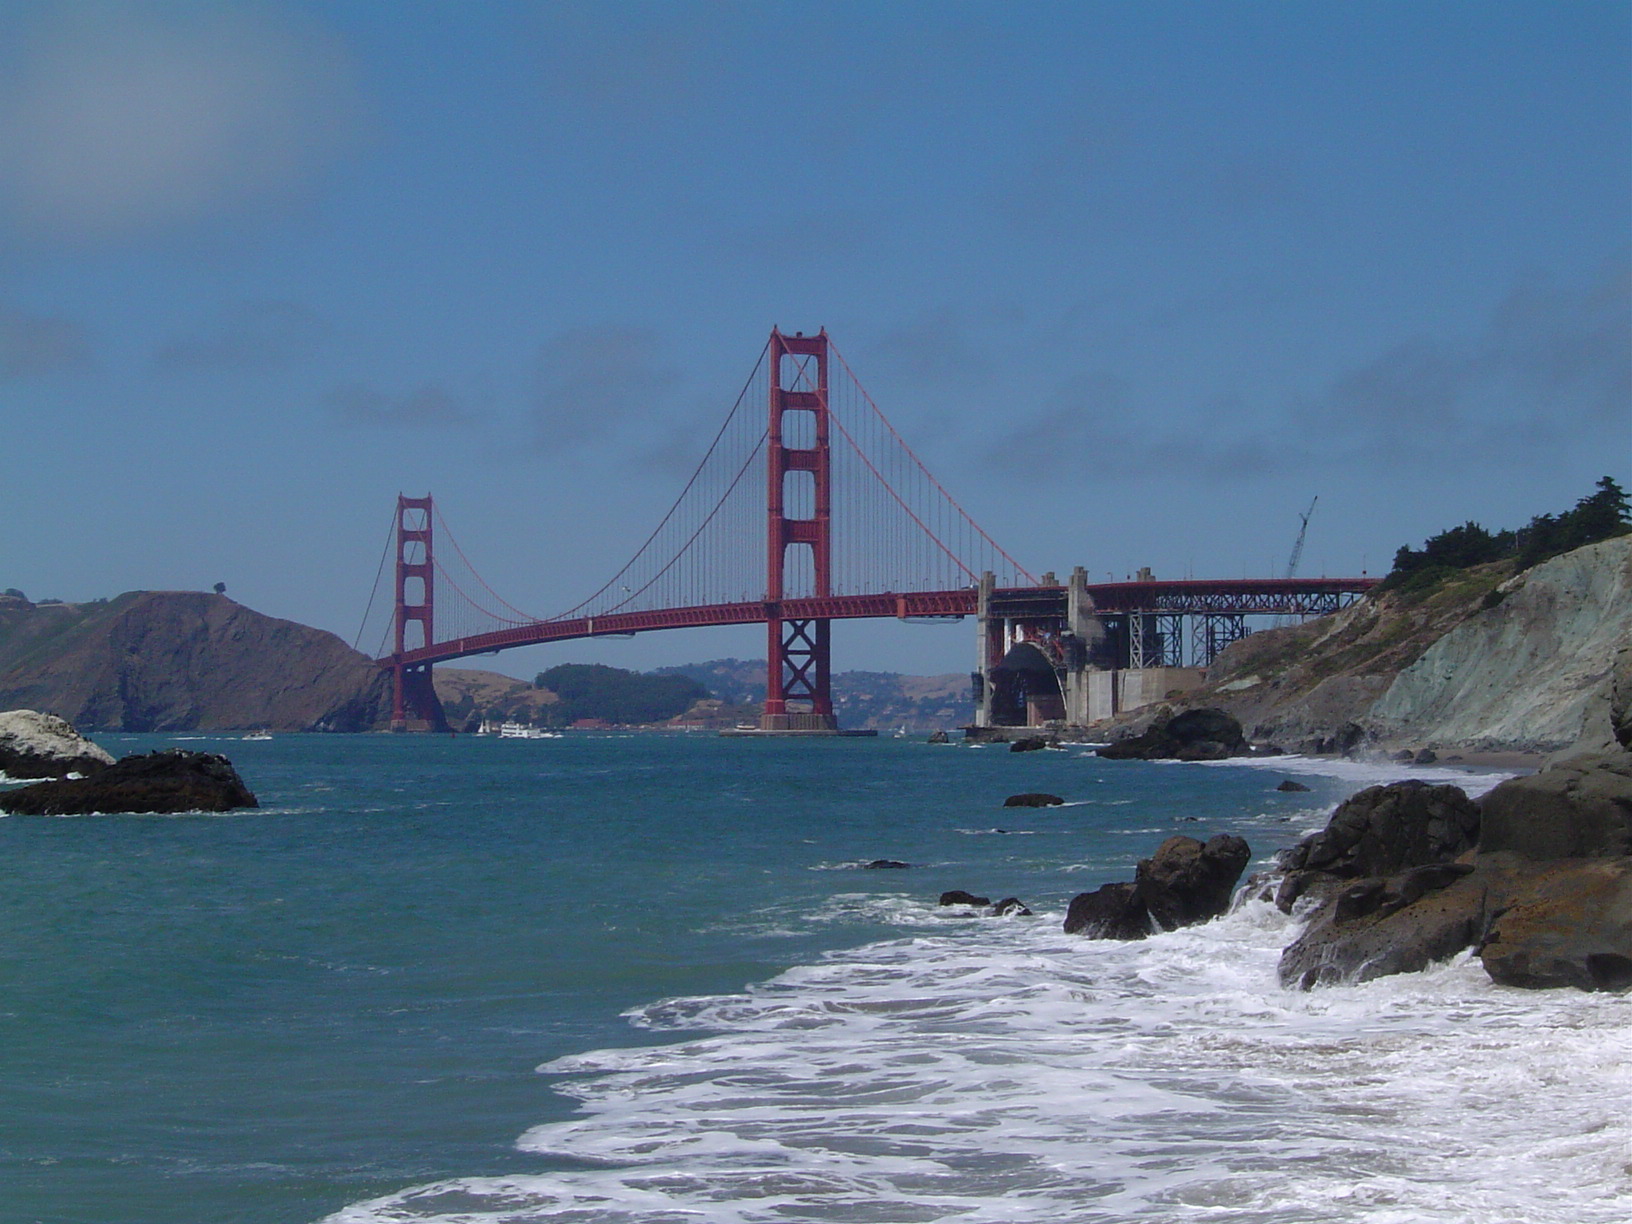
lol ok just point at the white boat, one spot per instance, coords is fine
(261, 734)
(516, 730)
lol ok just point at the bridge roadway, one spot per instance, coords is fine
(1244, 596)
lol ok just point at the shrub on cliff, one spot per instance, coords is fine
(1598, 516)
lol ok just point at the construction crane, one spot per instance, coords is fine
(1297, 549)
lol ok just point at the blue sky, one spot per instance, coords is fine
(1138, 281)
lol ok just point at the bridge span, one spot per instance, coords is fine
(851, 525)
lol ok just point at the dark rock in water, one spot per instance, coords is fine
(1290, 786)
(1386, 829)
(940, 737)
(1033, 799)
(1404, 756)
(35, 745)
(1114, 911)
(1183, 883)
(1578, 808)
(1426, 757)
(1195, 735)
(1341, 742)
(958, 897)
(1545, 898)
(1010, 905)
(168, 781)
(1186, 881)
(1371, 929)
(1031, 743)
(885, 864)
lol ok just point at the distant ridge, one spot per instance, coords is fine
(183, 661)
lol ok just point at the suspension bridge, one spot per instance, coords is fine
(806, 508)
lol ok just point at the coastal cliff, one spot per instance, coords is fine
(183, 661)
(1486, 661)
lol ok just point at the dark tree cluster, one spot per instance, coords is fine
(1598, 516)
(593, 690)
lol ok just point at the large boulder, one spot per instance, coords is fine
(1183, 883)
(1196, 735)
(1570, 925)
(171, 780)
(1577, 808)
(35, 745)
(1186, 881)
(1386, 829)
(1113, 911)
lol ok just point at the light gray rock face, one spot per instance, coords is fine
(1535, 672)
(35, 745)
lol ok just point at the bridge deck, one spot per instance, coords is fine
(1245, 596)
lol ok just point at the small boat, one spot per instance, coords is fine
(260, 733)
(516, 730)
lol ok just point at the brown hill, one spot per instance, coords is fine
(183, 661)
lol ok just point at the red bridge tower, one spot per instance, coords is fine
(414, 706)
(798, 476)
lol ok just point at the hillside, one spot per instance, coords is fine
(182, 661)
(1485, 659)
(861, 699)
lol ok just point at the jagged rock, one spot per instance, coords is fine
(1370, 929)
(167, 781)
(885, 864)
(1010, 905)
(1291, 787)
(1030, 743)
(1183, 883)
(958, 897)
(1426, 756)
(1195, 735)
(35, 745)
(1577, 808)
(1033, 799)
(1572, 926)
(1113, 911)
(1386, 829)
(940, 737)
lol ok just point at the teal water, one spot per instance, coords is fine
(271, 1016)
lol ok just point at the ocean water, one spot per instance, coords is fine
(647, 979)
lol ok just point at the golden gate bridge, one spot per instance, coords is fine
(806, 508)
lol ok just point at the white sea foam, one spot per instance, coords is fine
(1474, 782)
(1002, 1071)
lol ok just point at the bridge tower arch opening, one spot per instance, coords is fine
(1026, 688)
(799, 535)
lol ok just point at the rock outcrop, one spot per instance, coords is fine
(35, 745)
(1183, 883)
(1528, 669)
(183, 661)
(1207, 734)
(167, 781)
(1543, 891)
(1485, 660)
